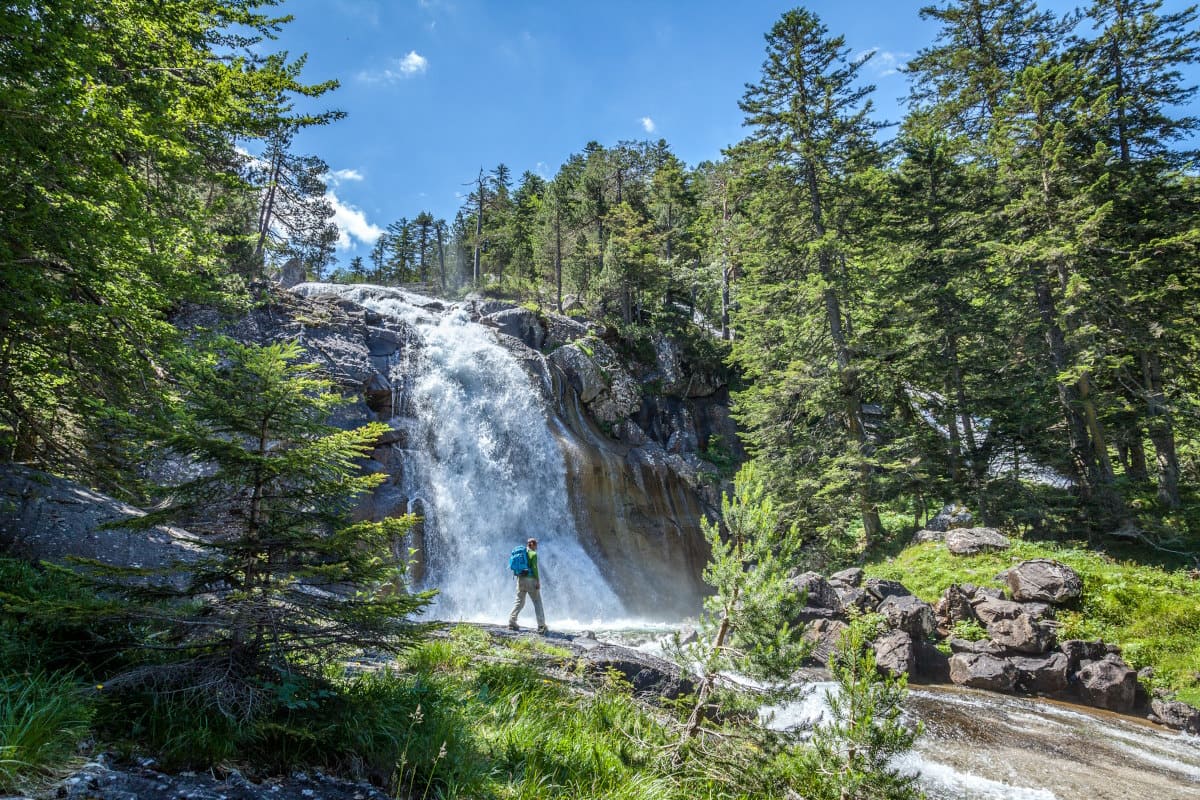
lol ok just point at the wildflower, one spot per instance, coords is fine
(99, 687)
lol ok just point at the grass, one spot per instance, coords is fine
(1152, 613)
(42, 718)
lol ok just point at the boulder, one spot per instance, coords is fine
(293, 273)
(649, 675)
(952, 607)
(879, 588)
(973, 541)
(908, 614)
(980, 647)
(982, 671)
(1077, 651)
(923, 536)
(951, 516)
(824, 635)
(852, 577)
(1176, 714)
(1107, 683)
(1041, 675)
(1022, 634)
(520, 323)
(816, 591)
(1044, 580)
(806, 614)
(853, 597)
(895, 654)
(989, 610)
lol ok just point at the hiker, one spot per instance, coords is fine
(528, 583)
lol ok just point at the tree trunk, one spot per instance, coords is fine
(1161, 430)
(558, 257)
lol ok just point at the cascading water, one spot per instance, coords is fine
(482, 462)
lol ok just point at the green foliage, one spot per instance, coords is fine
(301, 584)
(43, 717)
(854, 747)
(1149, 611)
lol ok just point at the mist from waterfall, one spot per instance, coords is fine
(481, 459)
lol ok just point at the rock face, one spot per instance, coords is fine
(1044, 580)
(1108, 683)
(972, 541)
(52, 519)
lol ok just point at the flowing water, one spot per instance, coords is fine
(482, 465)
(984, 746)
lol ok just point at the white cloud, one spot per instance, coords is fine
(411, 65)
(884, 62)
(648, 125)
(342, 175)
(353, 227)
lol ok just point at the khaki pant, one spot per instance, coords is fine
(528, 586)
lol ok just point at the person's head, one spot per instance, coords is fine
(531, 544)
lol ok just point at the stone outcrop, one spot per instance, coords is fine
(647, 674)
(972, 541)
(908, 614)
(53, 519)
(1044, 580)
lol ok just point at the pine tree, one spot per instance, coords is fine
(292, 583)
(811, 136)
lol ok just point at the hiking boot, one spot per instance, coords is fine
(512, 626)
(543, 630)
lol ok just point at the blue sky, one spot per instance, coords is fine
(436, 89)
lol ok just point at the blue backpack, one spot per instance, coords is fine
(518, 561)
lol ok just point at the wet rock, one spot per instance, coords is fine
(895, 654)
(649, 675)
(520, 323)
(982, 671)
(1107, 683)
(687, 635)
(377, 392)
(1176, 714)
(852, 577)
(603, 384)
(816, 591)
(972, 541)
(1022, 634)
(824, 635)
(383, 341)
(1078, 650)
(1044, 580)
(907, 613)
(951, 516)
(880, 588)
(1045, 675)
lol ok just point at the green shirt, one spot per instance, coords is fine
(532, 554)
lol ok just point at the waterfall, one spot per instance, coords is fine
(482, 461)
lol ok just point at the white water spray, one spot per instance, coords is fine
(488, 472)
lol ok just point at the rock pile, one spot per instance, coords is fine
(1019, 651)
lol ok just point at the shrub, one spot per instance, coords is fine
(43, 716)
